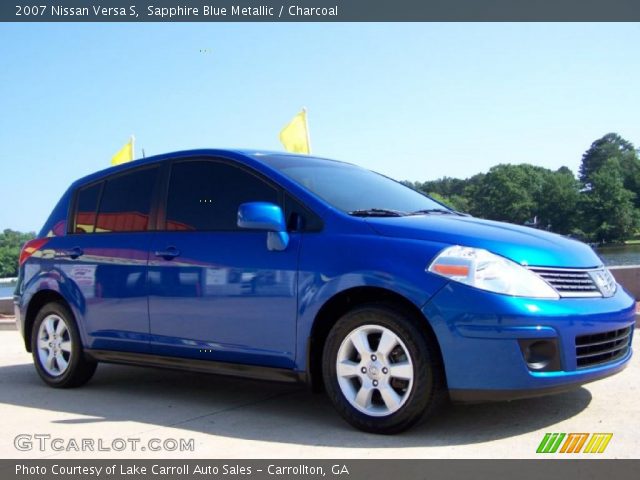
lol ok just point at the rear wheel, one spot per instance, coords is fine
(380, 371)
(57, 350)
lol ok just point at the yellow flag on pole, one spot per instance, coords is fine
(295, 135)
(125, 154)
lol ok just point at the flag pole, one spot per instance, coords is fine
(133, 147)
(306, 128)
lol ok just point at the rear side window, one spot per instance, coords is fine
(205, 195)
(87, 206)
(126, 202)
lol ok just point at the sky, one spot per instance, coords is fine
(413, 101)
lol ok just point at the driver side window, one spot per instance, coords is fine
(204, 195)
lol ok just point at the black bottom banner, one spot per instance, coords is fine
(317, 469)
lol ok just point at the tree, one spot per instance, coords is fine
(457, 202)
(603, 205)
(10, 244)
(446, 186)
(612, 147)
(558, 201)
(508, 193)
(447, 190)
(607, 208)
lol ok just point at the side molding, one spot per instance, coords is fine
(203, 366)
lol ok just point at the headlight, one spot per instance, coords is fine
(484, 270)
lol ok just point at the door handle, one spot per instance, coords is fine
(72, 253)
(168, 253)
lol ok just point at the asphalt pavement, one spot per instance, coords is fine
(217, 417)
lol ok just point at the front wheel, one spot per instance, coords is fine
(380, 371)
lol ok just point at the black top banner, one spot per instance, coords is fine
(319, 10)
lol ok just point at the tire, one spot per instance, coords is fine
(57, 349)
(390, 372)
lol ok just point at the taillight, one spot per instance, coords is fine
(31, 247)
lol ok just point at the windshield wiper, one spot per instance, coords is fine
(377, 212)
(441, 211)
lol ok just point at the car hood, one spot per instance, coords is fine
(523, 245)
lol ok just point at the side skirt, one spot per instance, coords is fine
(204, 366)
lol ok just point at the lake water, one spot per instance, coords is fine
(624, 255)
(6, 289)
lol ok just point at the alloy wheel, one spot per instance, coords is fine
(54, 345)
(375, 371)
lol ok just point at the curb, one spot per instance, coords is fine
(7, 324)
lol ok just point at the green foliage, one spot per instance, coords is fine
(625, 159)
(453, 192)
(610, 146)
(10, 244)
(558, 201)
(508, 193)
(607, 206)
(603, 206)
(456, 202)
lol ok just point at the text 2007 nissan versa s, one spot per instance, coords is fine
(294, 268)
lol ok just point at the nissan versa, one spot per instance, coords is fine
(294, 268)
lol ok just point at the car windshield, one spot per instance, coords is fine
(353, 189)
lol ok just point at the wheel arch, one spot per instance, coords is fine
(341, 303)
(39, 300)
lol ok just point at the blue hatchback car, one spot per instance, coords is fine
(294, 268)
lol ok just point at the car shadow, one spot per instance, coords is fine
(273, 412)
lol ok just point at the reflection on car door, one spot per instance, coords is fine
(216, 292)
(106, 254)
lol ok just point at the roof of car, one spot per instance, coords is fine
(237, 154)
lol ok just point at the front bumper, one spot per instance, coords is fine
(480, 333)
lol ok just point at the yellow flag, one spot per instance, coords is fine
(125, 154)
(295, 135)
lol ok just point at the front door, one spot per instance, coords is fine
(215, 291)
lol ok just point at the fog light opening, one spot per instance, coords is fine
(540, 354)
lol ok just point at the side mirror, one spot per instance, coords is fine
(265, 216)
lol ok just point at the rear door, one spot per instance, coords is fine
(106, 254)
(216, 291)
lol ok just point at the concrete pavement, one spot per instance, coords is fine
(232, 418)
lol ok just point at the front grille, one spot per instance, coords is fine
(599, 348)
(569, 282)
